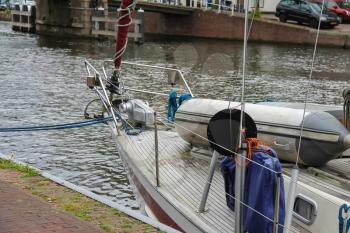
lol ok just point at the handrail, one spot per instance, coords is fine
(104, 94)
(156, 67)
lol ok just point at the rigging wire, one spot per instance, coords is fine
(171, 170)
(174, 170)
(308, 84)
(239, 69)
(119, 53)
(229, 150)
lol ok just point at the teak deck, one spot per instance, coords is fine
(183, 174)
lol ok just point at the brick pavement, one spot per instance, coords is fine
(21, 212)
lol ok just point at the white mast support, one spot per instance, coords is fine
(277, 204)
(240, 170)
(156, 150)
(219, 7)
(239, 188)
(290, 200)
(205, 194)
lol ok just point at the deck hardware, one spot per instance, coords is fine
(174, 77)
(156, 148)
(307, 206)
(214, 158)
(92, 81)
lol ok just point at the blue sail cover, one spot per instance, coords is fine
(260, 188)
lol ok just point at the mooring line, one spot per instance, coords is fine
(72, 125)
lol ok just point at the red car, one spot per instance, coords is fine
(333, 6)
(344, 5)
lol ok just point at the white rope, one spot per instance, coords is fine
(129, 10)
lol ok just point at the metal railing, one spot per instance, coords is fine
(172, 71)
(221, 6)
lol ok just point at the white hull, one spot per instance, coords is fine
(176, 201)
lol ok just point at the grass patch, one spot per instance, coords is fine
(126, 224)
(148, 228)
(28, 171)
(78, 209)
(107, 228)
(40, 194)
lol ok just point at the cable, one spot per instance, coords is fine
(78, 124)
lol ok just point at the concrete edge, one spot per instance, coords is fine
(132, 213)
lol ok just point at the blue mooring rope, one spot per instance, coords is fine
(58, 126)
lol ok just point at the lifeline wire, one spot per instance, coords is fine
(168, 174)
(271, 170)
(308, 86)
(239, 70)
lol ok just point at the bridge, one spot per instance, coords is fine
(158, 7)
(74, 17)
(219, 19)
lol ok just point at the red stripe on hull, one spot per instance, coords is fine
(160, 214)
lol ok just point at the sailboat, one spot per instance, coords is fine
(174, 161)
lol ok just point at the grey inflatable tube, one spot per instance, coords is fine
(323, 138)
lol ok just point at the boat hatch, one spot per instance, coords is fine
(305, 209)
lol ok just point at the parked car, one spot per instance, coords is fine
(4, 5)
(334, 7)
(344, 5)
(307, 12)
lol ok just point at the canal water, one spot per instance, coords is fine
(42, 82)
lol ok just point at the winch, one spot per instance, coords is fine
(138, 112)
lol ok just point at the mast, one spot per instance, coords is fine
(123, 23)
